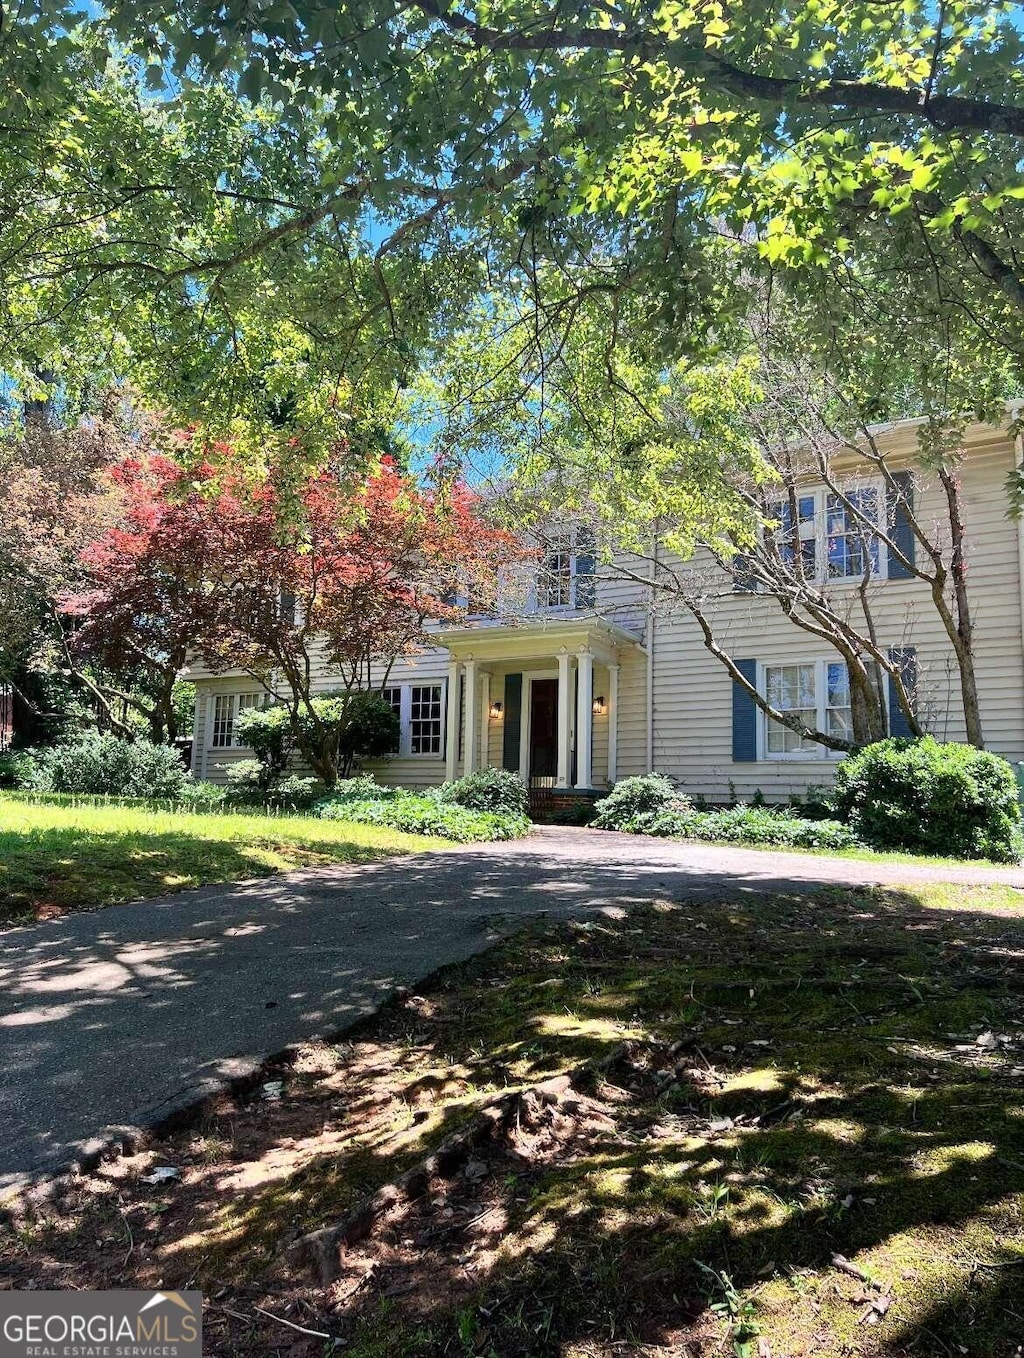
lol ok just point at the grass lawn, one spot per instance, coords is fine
(792, 1125)
(59, 858)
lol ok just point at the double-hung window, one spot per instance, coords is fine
(567, 575)
(420, 712)
(853, 549)
(818, 694)
(227, 708)
(426, 731)
(804, 540)
(833, 534)
(555, 590)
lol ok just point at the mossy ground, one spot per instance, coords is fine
(813, 1080)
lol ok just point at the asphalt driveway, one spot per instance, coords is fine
(122, 1016)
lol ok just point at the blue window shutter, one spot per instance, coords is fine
(743, 581)
(744, 716)
(899, 507)
(586, 569)
(513, 722)
(906, 658)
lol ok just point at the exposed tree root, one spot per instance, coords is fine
(517, 1120)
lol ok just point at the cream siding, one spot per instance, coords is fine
(689, 717)
(693, 694)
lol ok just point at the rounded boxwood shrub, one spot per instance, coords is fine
(101, 765)
(931, 798)
(634, 802)
(488, 790)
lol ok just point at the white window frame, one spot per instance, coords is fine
(405, 688)
(236, 710)
(821, 752)
(570, 536)
(820, 495)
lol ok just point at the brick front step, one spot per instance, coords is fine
(563, 806)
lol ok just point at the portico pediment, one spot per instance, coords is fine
(490, 642)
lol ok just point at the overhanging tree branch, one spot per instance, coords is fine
(699, 61)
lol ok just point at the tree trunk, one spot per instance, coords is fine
(963, 640)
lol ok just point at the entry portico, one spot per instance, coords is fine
(541, 699)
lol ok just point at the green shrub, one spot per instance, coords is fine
(294, 793)
(203, 796)
(742, 825)
(267, 731)
(488, 790)
(638, 797)
(244, 779)
(760, 825)
(362, 788)
(17, 768)
(427, 816)
(931, 798)
(107, 765)
(246, 787)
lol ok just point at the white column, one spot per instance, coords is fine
(613, 723)
(451, 723)
(485, 717)
(585, 719)
(472, 736)
(564, 700)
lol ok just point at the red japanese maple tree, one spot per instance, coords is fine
(283, 582)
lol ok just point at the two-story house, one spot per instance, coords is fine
(595, 680)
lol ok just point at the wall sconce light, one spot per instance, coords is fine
(599, 707)
(496, 711)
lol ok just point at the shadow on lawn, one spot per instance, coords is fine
(46, 873)
(874, 1127)
(831, 1097)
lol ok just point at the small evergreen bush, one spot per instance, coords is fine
(362, 788)
(634, 799)
(931, 798)
(106, 765)
(196, 796)
(488, 790)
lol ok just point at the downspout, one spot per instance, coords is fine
(650, 658)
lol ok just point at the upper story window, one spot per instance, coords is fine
(834, 533)
(567, 576)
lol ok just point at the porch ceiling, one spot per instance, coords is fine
(538, 641)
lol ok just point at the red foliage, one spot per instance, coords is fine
(203, 556)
